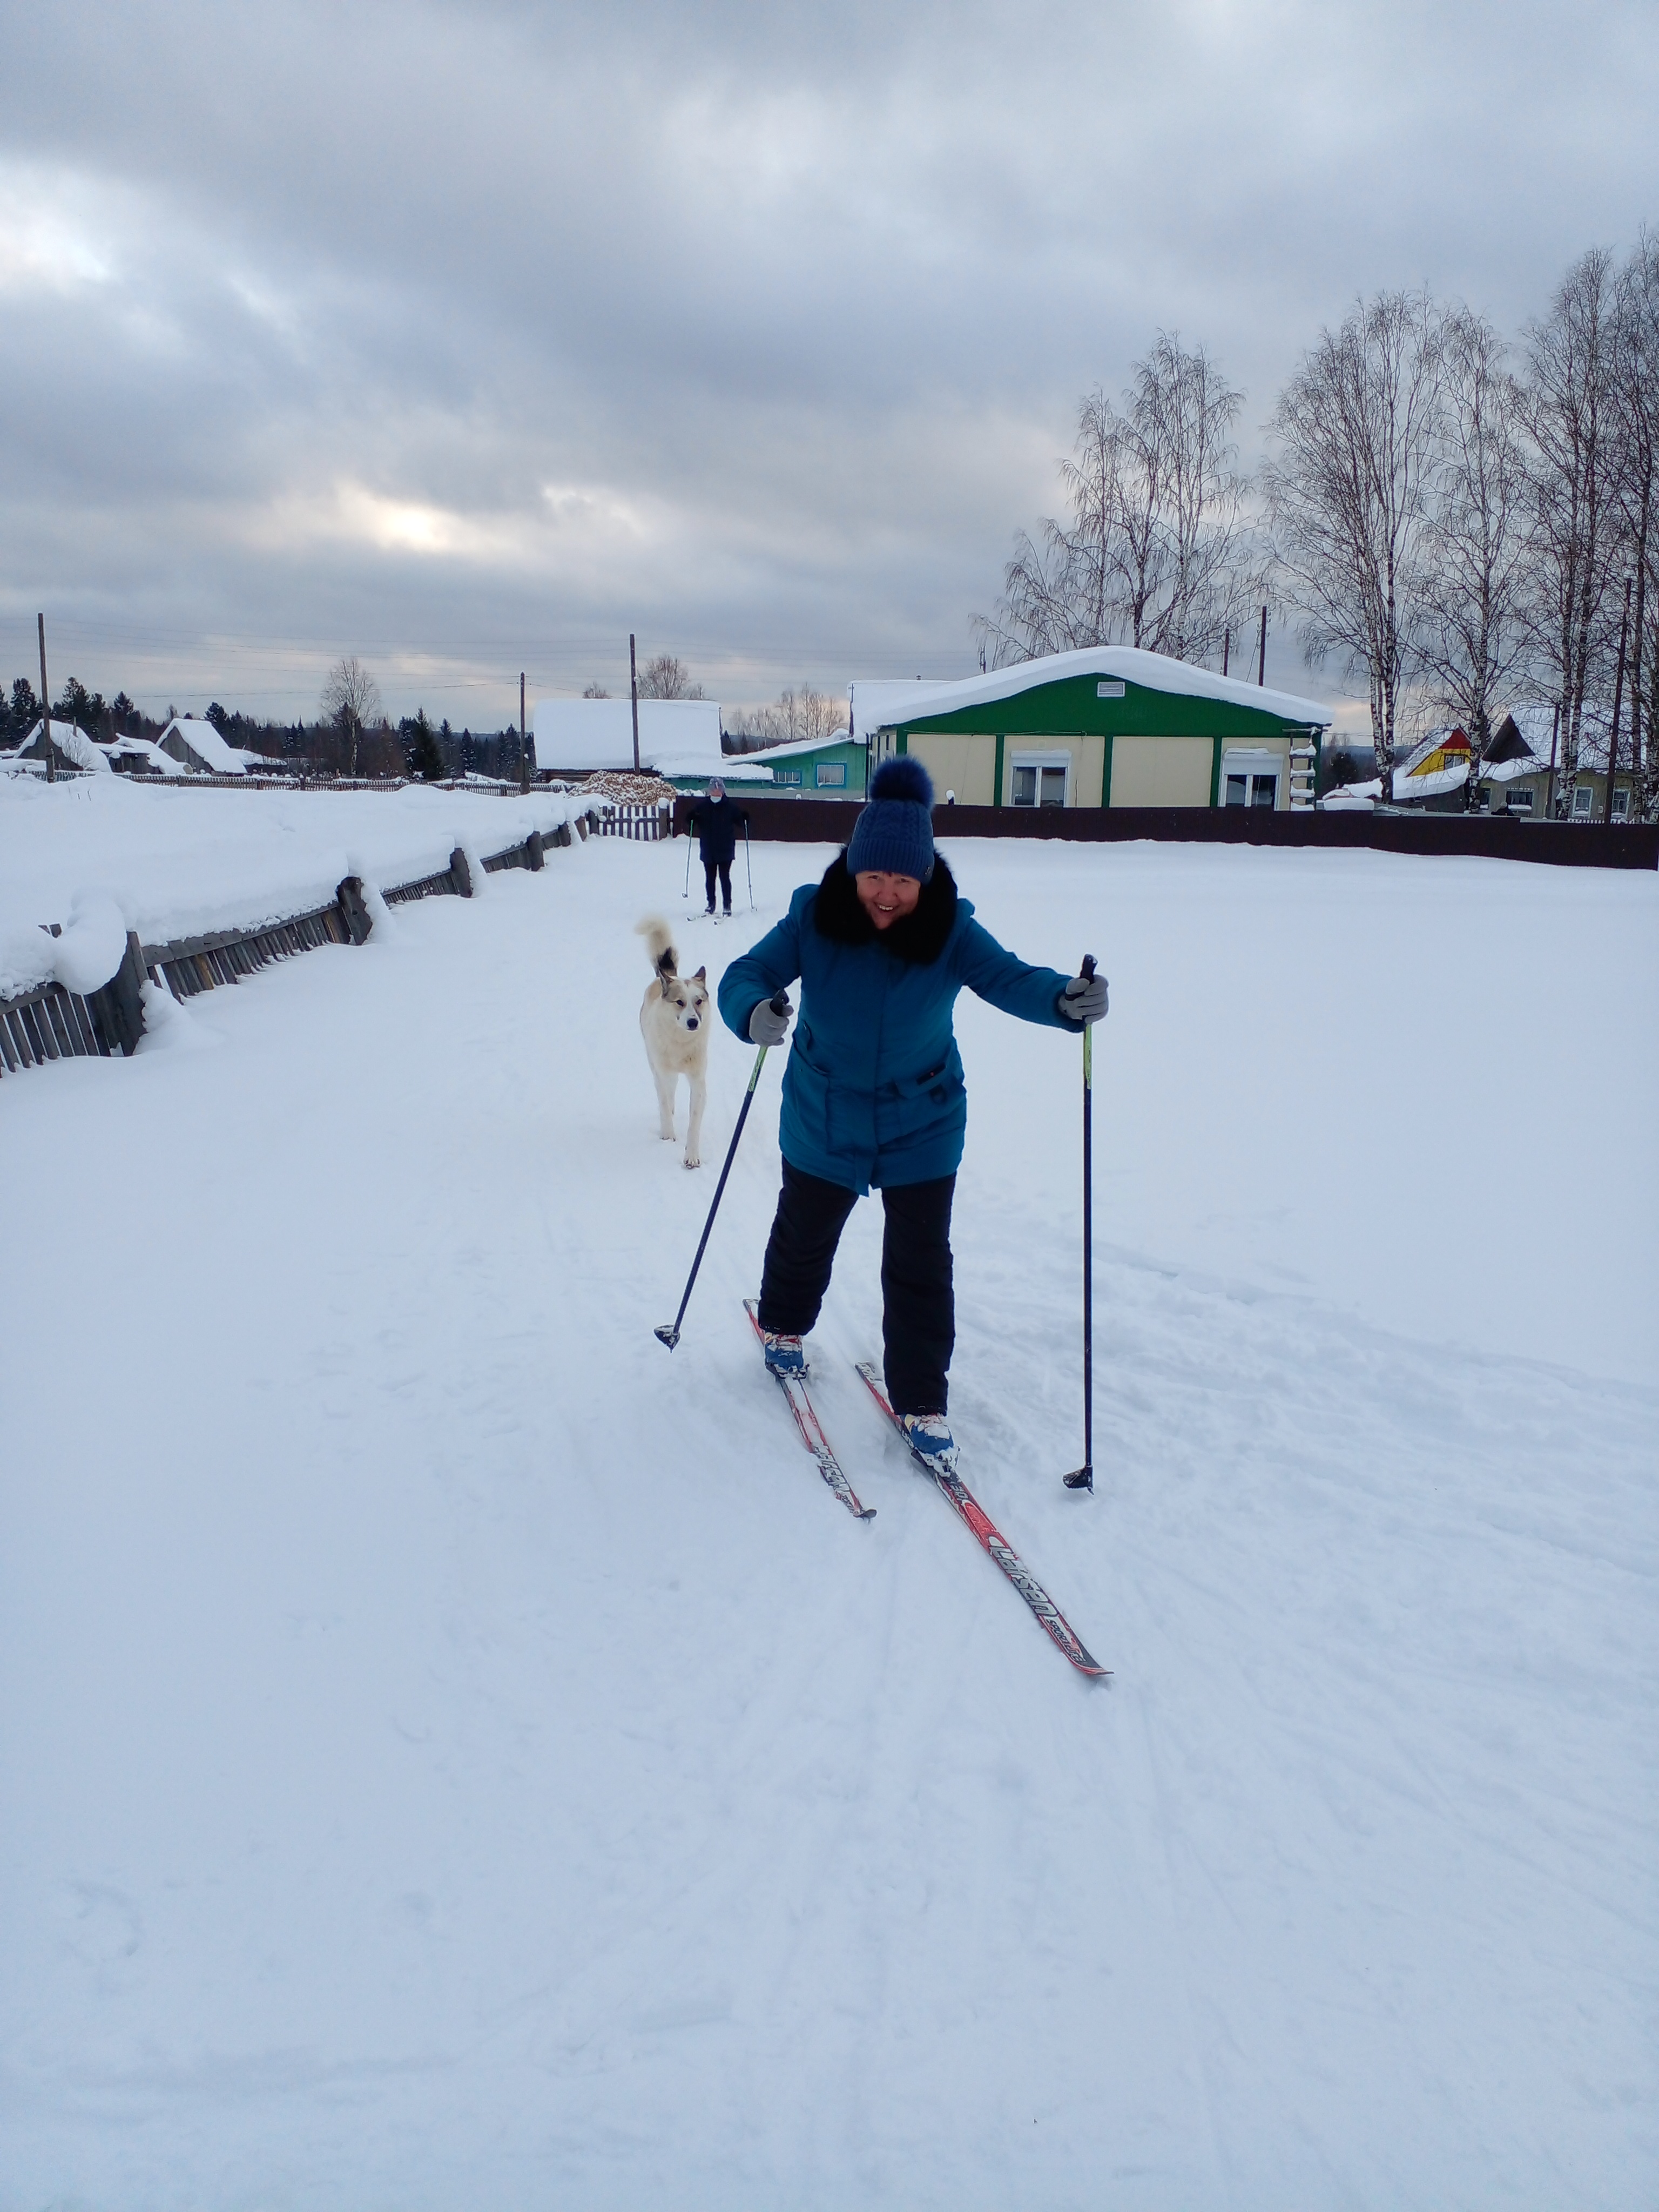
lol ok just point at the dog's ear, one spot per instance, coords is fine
(666, 965)
(663, 982)
(701, 975)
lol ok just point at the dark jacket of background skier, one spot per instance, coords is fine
(874, 1092)
(717, 822)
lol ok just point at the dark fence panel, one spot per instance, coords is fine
(1560, 844)
(50, 1022)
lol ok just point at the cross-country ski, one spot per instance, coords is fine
(990, 1538)
(799, 1401)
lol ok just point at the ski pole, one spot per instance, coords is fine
(669, 1334)
(687, 860)
(1082, 1477)
(747, 870)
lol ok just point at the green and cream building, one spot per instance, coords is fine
(1110, 726)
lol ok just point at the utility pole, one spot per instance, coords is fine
(523, 757)
(633, 694)
(1226, 647)
(1261, 657)
(1618, 705)
(46, 704)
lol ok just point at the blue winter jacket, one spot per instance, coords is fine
(873, 1093)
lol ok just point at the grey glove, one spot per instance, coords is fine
(1084, 999)
(769, 1023)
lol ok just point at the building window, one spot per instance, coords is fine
(1584, 799)
(832, 775)
(1520, 802)
(1252, 787)
(1250, 778)
(1039, 779)
(785, 775)
(1621, 804)
(1109, 690)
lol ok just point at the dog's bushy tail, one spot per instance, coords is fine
(660, 944)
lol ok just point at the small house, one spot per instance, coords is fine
(1109, 725)
(70, 749)
(1434, 773)
(139, 756)
(579, 736)
(816, 768)
(197, 746)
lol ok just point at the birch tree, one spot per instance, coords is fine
(1348, 495)
(1638, 420)
(1156, 550)
(351, 700)
(1477, 541)
(1571, 390)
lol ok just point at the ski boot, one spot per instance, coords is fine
(784, 1355)
(929, 1437)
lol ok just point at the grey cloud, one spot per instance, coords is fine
(475, 337)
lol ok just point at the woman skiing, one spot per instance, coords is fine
(717, 822)
(873, 1094)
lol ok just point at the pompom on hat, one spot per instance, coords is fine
(894, 833)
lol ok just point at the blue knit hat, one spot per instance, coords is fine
(894, 833)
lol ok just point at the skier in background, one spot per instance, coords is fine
(717, 823)
(874, 1094)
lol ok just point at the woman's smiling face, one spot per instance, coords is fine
(887, 899)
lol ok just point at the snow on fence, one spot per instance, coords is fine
(50, 1022)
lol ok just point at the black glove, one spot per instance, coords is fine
(769, 1023)
(1084, 999)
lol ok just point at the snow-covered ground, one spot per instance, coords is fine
(179, 859)
(458, 1754)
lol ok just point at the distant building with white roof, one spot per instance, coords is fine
(677, 737)
(198, 746)
(71, 748)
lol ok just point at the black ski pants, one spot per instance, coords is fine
(710, 868)
(919, 1314)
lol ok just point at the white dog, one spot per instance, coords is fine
(674, 1023)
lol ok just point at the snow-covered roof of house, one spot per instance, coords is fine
(206, 743)
(590, 734)
(72, 743)
(144, 748)
(794, 748)
(1438, 764)
(883, 703)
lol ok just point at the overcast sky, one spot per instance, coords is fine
(469, 339)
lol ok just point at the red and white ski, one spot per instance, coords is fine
(994, 1542)
(793, 1388)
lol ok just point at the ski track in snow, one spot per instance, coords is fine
(458, 1754)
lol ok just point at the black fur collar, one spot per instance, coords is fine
(919, 939)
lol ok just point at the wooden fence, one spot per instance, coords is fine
(646, 823)
(50, 1022)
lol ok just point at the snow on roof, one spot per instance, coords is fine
(206, 743)
(1506, 771)
(792, 748)
(72, 743)
(882, 704)
(145, 749)
(589, 733)
(735, 768)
